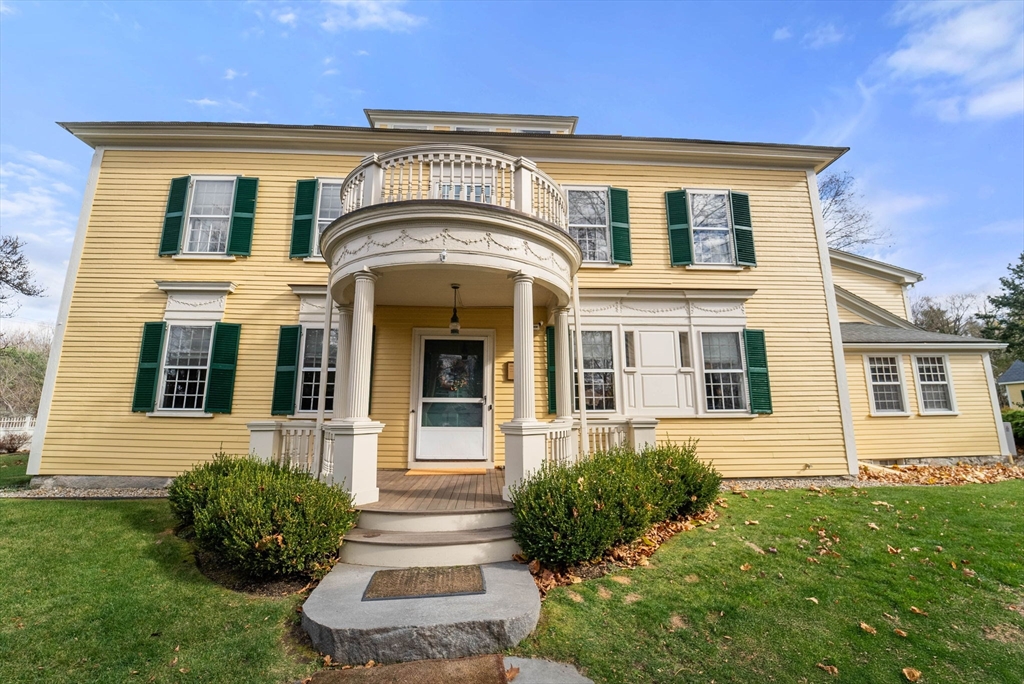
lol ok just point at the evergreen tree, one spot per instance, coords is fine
(1005, 323)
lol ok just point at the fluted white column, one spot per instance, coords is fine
(522, 335)
(341, 365)
(357, 398)
(563, 366)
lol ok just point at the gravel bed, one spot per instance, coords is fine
(833, 482)
(76, 493)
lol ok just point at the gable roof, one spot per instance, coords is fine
(869, 311)
(1015, 373)
(865, 335)
(871, 267)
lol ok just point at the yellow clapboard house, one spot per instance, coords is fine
(474, 271)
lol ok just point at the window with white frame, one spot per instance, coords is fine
(723, 371)
(309, 378)
(598, 370)
(328, 209)
(886, 384)
(933, 384)
(712, 232)
(186, 363)
(588, 222)
(209, 215)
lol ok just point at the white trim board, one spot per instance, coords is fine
(52, 365)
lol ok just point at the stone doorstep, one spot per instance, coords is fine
(354, 631)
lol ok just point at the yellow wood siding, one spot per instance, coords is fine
(847, 316)
(92, 430)
(970, 433)
(1015, 392)
(880, 292)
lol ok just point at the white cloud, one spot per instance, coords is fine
(822, 36)
(843, 115)
(328, 60)
(205, 102)
(6, 8)
(965, 61)
(368, 14)
(231, 74)
(361, 53)
(287, 17)
(331, 72)
(782, 33)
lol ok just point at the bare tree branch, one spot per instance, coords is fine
(848, 224)
(952, 315)
(16, 276)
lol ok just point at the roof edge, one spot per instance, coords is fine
(869, 310)
(873, 267)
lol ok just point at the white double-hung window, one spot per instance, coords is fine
(328, 209)
(723, 371)
(186, 364)
(209, 215)
(309, 378)
(885, 378)
(934, 389)
(598, 370)
(588, 222)
(712, 232)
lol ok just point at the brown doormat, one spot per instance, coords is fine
(488, 669)
(446, 471)
(459, 580)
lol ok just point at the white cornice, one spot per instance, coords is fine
(868, 311)
(309, 290)
(671, 293)
(195, 286)
(389, 117)
(878, 269)
(365, 141)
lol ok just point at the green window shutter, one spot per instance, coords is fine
(243, 213)
(743, 229)
(757, 371)
(220, 383)
(303, 218)
(146, 380)
(286, 375)
(174, 216)
(679, 244)
(618, 200)
(552, 389)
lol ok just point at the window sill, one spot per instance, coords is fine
(925, 414)
(727, 414)
(599, 264)
(182, 413)
(715, 267)
(890, 414)
(203, 257)
(314, 260)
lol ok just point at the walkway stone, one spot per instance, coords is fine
(354, 631)
(537, 671)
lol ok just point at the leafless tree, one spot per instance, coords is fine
(952, 315)
(15, 274)
(849, 225)
(22, 369)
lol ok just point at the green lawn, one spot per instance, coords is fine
(102, 591)
(695, 615)
(12, 470)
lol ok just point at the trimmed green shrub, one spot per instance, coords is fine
(263, 519)
(568, 514)
(1015, 417)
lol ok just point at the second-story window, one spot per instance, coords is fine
(209, 216)
(588, 222)
(328, 209)
(712, 235)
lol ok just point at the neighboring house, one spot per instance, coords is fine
(710, 306)
(1012, 382)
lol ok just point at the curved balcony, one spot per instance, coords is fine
(457, 173)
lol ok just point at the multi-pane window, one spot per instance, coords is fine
(209, 216)
(723, 371)
(933, 382)
(886, 384)
(185, 366)
(588, 222)
(712, 234)
(328, 209)
(309, 379)
(598, 370)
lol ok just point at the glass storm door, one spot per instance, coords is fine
(452, 406)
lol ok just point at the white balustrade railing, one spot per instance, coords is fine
(559, 446)
(605, 436)
(293, 444)
(19, 425)
(455, 172)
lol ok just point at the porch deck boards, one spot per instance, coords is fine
(399, 492)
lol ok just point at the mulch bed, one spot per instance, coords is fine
(488, 669)
(217, 572)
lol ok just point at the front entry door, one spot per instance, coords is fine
(453, 413)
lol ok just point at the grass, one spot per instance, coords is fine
(12, 470)
(102, 591)
(696, 615)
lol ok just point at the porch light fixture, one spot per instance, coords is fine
(454, 326)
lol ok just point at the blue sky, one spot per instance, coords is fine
(930, 97)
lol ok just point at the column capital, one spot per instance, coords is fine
(521, 277)
(365, 275)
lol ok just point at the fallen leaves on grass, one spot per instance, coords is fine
(911, 674)
(812, 599)
(751, 522)
(511, 673)
(892, 550)
(958, 474)
(918, 611)
(677, 622)
(900, 632)
(746, 566)
(831, 669)
(873, 526)
(868, 628)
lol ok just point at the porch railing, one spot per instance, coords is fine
(561, 444)
(293, 443)
(455, 172)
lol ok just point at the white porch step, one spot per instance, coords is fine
(406, 549)
(434, 521)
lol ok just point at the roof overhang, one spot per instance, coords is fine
(878, 269)
(868, 311)
(897, 347)
(361, 141)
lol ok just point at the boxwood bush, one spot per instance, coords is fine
(263, 519)
(568, 514)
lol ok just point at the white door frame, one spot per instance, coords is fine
(416, 381)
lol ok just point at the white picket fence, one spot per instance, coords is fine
(24, 424)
